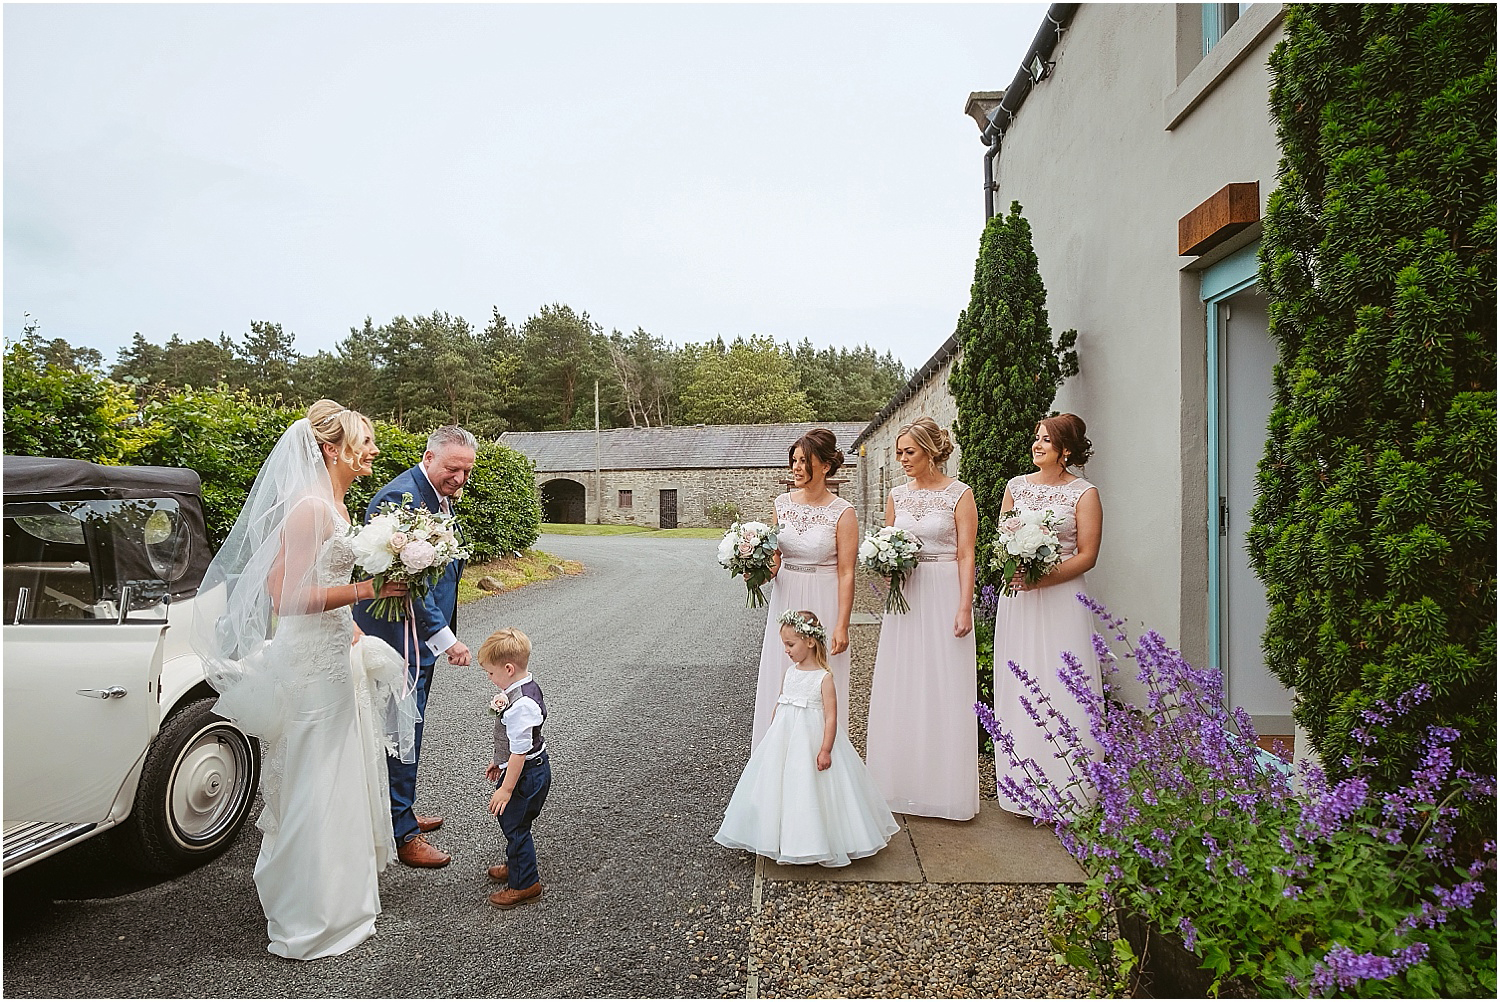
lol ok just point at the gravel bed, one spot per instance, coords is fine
(822, 940)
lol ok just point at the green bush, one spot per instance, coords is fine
(51, 410)
(1009, 371)
(501, 510)
(224, 435)
(1375, 527)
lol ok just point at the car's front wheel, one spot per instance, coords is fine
(196, 789)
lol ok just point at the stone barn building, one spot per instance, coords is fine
(672, 477)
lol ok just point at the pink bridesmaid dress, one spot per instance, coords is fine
(1033, 628)
(808, 579)
(922, 745)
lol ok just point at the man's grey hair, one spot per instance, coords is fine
(451, 434)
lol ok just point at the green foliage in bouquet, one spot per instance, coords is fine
(1009, 371)
(1375, 527)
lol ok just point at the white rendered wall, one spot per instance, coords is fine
(1103, 183)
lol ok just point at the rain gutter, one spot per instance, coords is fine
(1059, 16)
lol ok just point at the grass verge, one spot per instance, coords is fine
(514, 572)
(572, 529)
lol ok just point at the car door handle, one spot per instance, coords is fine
(113, 692)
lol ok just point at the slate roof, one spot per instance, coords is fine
(676, 447)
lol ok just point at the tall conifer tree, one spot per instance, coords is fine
(1375, 527)
(1009, 370)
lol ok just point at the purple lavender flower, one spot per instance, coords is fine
(1189, 933)
(1341, 967)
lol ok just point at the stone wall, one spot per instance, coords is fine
(752, 491)
(878, 469)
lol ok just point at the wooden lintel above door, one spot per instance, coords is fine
(1226, 212)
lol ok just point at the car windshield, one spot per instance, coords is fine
(96, 560)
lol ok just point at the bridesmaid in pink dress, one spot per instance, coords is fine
(818, 542)
(1034, 627)
(922, 746)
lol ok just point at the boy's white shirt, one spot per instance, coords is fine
(519, 718)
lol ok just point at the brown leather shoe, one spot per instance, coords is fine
(426, 823)
(509, 898)
(417, 851)
(499, 872)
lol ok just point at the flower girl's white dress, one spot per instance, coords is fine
(784, 808)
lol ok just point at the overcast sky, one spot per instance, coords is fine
(797, 171)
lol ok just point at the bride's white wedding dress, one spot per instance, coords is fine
(326, 834)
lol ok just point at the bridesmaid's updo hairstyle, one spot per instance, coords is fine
(1068, 435)
(336, 425)
(927, 436)
(818, 444)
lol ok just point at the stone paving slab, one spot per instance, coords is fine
(995, 848)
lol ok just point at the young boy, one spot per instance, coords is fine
(520, 769)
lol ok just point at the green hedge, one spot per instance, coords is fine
(1375, 527)
(225, 436)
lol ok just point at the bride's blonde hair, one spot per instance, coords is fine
(334, 424)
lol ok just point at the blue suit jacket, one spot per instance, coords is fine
(439, 607)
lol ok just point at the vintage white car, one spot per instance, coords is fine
(109, 724)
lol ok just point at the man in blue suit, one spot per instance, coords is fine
(432, 484)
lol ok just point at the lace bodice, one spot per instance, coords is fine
(809, 533)
(928, 515)
(1060, 498)
(318, 645)
(802, 688)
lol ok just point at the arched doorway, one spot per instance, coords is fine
(563, 501)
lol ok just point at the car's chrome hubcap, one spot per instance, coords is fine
(204, 796)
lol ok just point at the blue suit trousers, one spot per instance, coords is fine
(403, 775)
(525, 804)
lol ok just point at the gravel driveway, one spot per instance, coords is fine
(648, 661)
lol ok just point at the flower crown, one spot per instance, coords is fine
(803, 625)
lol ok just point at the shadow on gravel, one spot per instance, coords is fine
(89, 870)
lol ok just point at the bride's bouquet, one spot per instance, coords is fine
(746, 549)
(405, 544)
(1026, 542)
(891, 553)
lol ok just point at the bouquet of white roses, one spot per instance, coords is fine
(405, 544)
(891, 553)
(1026, 542)
(746, 549)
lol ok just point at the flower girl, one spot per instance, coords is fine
(805, 796)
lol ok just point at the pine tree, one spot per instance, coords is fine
(1375, 528)
(1009, 369)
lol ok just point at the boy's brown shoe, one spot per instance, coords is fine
(509, 898)
(500, 872)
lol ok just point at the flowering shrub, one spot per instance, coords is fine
(1276, 878)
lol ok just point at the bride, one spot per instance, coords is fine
(281, 657)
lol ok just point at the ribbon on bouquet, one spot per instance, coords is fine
(409, 643)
